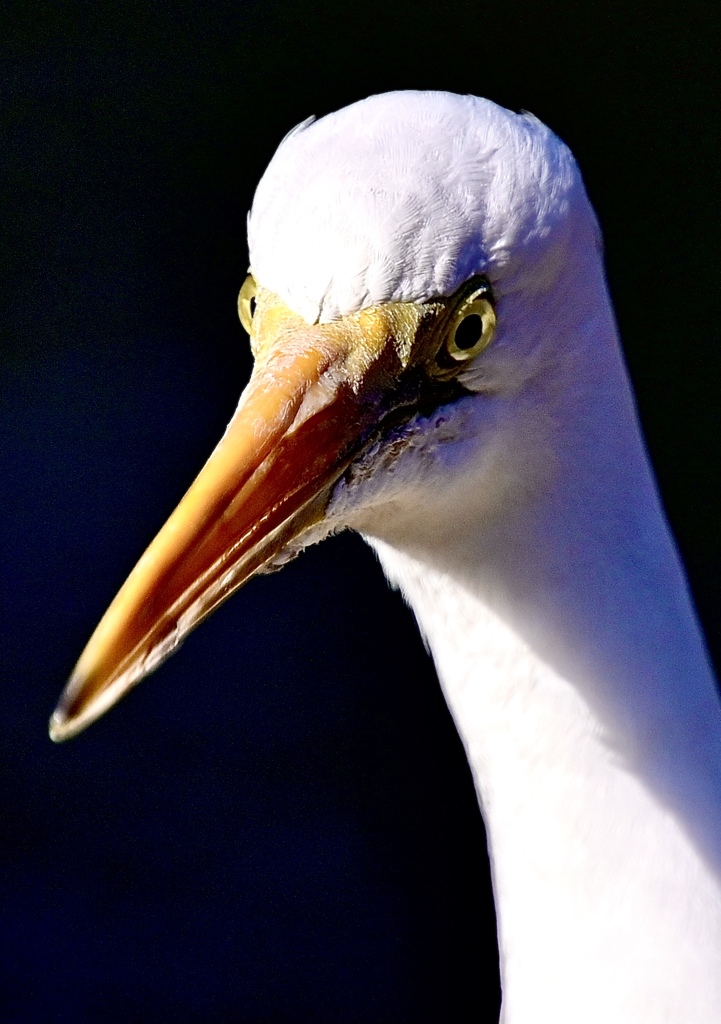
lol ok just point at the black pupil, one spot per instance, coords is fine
(469, 332)
(252, 304)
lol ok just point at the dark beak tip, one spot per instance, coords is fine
(58, 726)
(68, 719)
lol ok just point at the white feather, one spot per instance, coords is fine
(523, 525)
(404, 196)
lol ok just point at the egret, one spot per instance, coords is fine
(437, 367)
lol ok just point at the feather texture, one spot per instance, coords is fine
(523, 526)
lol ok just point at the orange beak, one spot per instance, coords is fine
(316, 395)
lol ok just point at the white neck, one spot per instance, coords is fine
(609, 905)
(569, 654)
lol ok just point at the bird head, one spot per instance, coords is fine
(409, 290)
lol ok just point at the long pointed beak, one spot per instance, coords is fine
(313, 398)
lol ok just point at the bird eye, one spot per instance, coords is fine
(470, 330)
(247, 301)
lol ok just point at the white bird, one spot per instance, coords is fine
(437, 366)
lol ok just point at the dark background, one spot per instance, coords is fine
(280, 826)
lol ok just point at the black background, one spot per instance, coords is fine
(280, 826)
